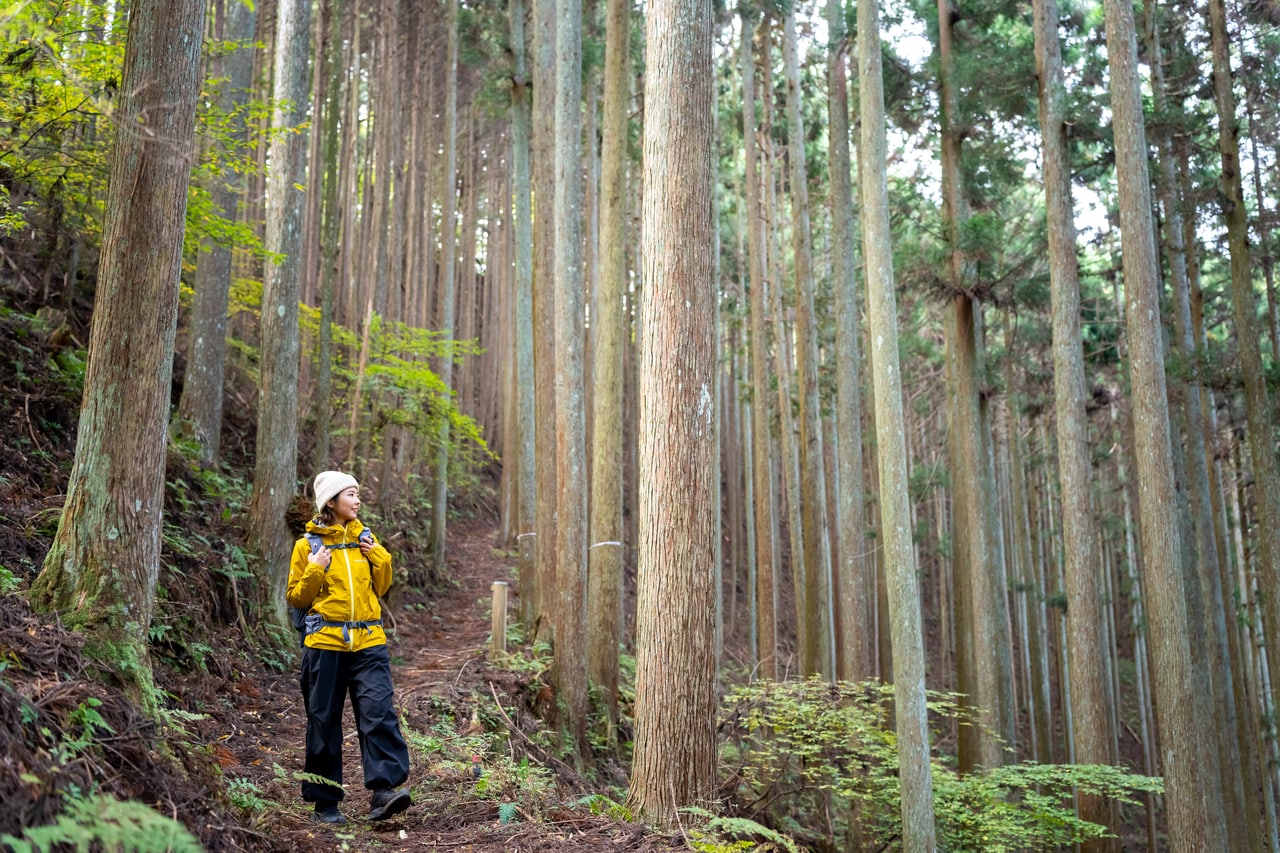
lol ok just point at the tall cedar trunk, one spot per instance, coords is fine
(855, 586)
(782, 349)
(448, 290)
(384, 189)
(544, 313)
(276, 468)
(200, 407)
(675, 753)
(607, 546)
(1205, 592)
(523, 224)
(329, 218)
(569, 673)
(1194, 809)
(1091, 699)
(764, 510)
(102, 568)
(988, 642)
(1257, 406)
(816, 569)
(346, 312)
(916, 776)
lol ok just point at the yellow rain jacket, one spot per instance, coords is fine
(344, 592)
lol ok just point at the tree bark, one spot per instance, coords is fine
(1205, 599)
(762, 462)
(1194, 809)
(522, 212)
(607, 546)
(918, 833)
(275, 471)
(815, 572)
(675, 753)
(988, 643)
(1091, 701)
(569, 673)
(448, 289)
(544, 313)
(200, 406)
(1257, 405)
(329, 220)
(854, 583)
(102, 568)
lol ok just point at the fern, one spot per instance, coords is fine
(599, 804)
(507, 813)
(245, 795)
(717, 826)
(316, 779)
(101, 822)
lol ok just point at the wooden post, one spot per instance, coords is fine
(498, 645)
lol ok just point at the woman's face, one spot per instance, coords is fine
(346, 506)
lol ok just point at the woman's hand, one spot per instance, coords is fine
(321, 557)
(366, 545)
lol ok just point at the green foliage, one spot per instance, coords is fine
(447, 749)
(710, 837)
(79, 732)
(316, 779)
(8, 581)
(59, 91)
(1027, 806)
(507, 813)
(799, 747)
(12, 218)
(599, 804)
(535, 658)
(101, 822)
(245, 795)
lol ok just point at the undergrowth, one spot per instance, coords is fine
(819, 761)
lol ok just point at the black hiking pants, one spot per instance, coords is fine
(327, 678)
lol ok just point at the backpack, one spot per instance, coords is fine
(298, 615)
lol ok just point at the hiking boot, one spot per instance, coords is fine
(388, 802)
(328, 813)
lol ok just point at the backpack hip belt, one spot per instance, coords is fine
(314, 622)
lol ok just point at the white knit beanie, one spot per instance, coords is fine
(329, 484)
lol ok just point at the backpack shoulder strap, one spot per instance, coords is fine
(314, 540)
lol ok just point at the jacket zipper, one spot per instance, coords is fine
(351, 586)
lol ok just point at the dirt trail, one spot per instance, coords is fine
(440, 673)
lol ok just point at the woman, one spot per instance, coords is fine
(337, 573)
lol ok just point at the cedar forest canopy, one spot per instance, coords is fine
(932, 343)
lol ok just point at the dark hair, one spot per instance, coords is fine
(325, 515)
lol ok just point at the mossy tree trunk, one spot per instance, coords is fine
(102, 569)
